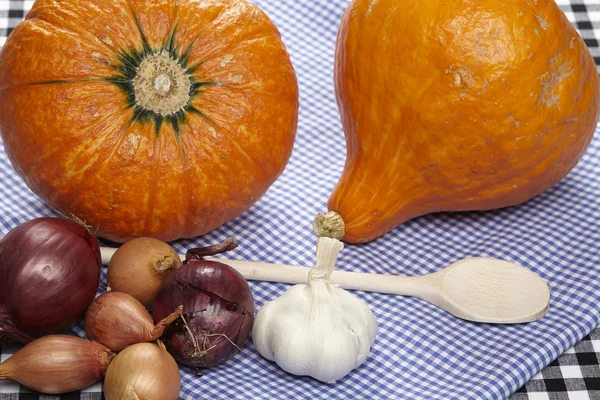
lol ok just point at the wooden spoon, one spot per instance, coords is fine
(474, 289)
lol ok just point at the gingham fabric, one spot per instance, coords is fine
(420, 351)
(574, 375)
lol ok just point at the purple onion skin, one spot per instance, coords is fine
(216, 301)
(49, 275)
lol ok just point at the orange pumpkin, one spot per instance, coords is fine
(155, 118)
(456, 105)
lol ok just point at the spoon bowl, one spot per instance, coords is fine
(490, 290)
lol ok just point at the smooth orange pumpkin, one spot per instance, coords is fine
(151, 118)
(456, 105)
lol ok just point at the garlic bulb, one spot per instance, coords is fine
(318, 329)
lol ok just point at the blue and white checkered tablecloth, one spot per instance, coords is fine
(420, 351)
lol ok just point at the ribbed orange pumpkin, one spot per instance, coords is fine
(457, 105)
(153, 118)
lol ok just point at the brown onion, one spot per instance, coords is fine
(218, 309)
(139, 266)
(117, 320)
(49, 275)
(142, 371)
(57, 364)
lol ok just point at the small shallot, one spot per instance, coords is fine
(57, 364)
(139, 266)
(142, 371)
(118, 320)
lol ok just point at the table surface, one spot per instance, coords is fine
(574, 375)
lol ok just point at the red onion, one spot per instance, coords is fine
(218, 308)
(49, 275)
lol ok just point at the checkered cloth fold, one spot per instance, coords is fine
(420, 352)
(574, 375)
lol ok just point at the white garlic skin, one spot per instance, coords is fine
(319, 330)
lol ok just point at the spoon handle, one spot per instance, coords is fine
(381, 283)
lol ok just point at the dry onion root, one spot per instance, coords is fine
(142, 371)
(118, 320)
(139, 266)
(57, 364)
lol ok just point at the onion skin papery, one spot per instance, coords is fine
(218, 309)
(49, 275)
(57, 364)
(139, 266)
(118, 320)
(144, 371)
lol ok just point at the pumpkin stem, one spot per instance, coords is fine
(161, 85)
(329, 225)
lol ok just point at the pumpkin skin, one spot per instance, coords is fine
(456, 105)
(150, 118)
